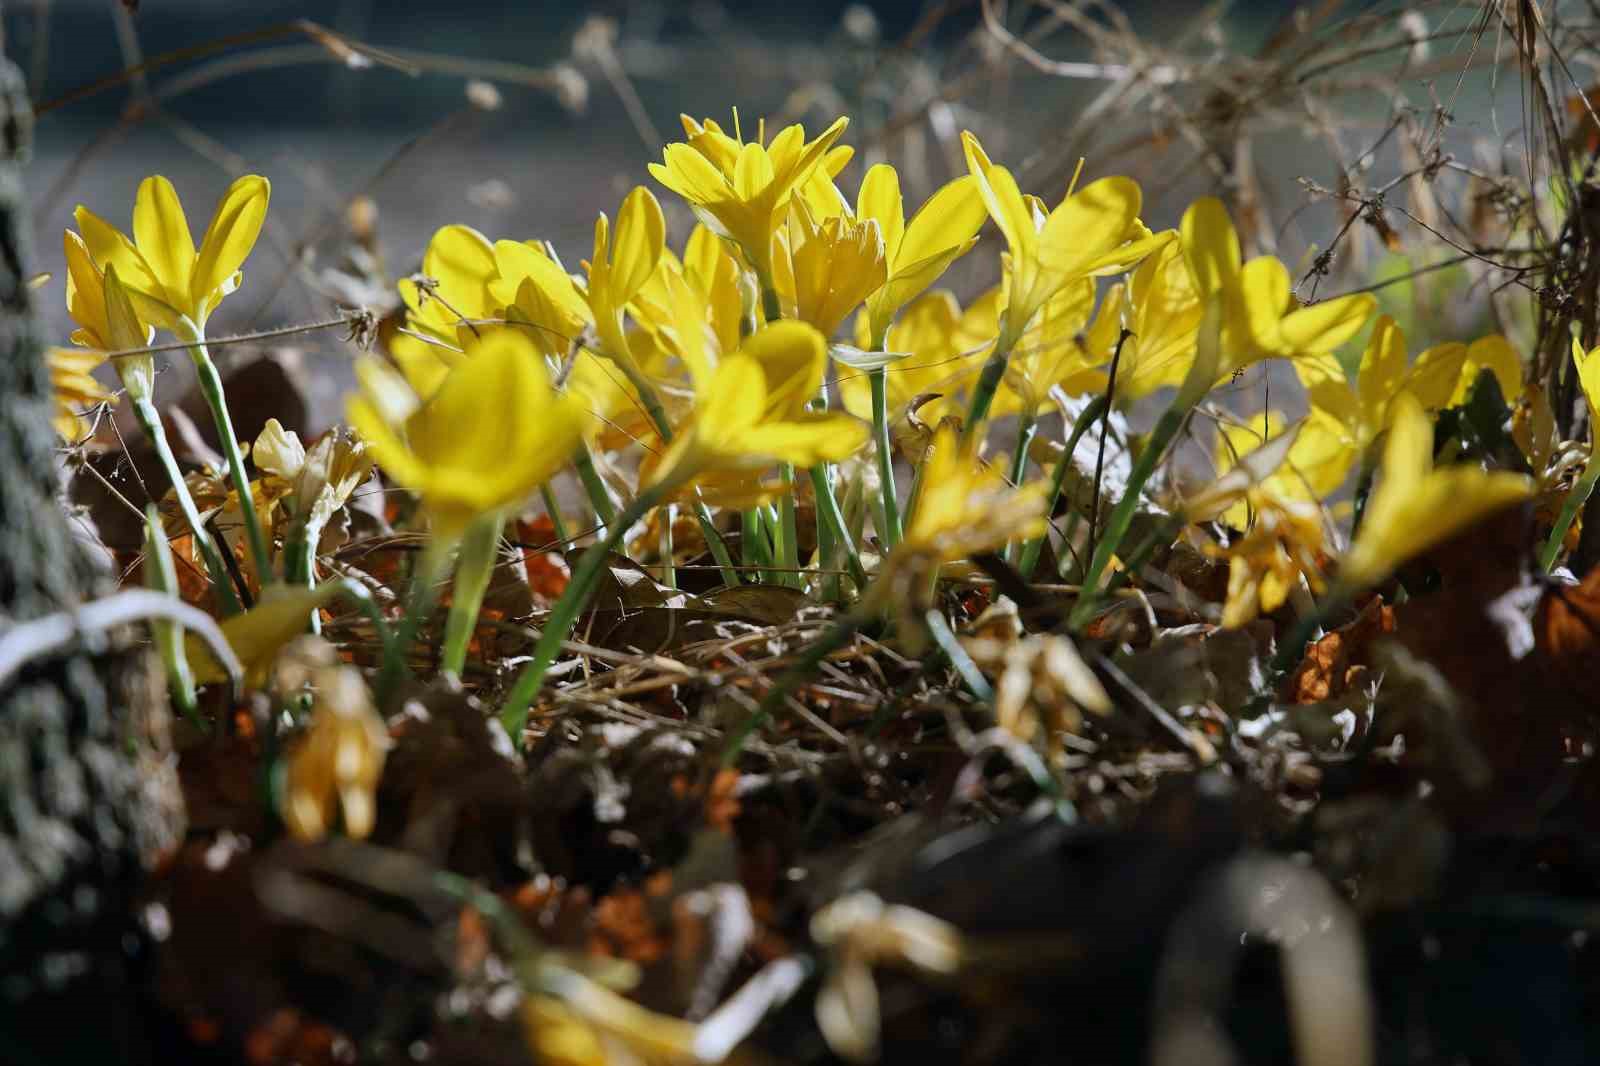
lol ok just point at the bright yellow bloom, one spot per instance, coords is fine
(1443, 375)
(1260, 317)
(833, 265)
(966, 507)
(1052, 355)
(1159, 305)
(106, 317)
(169, 279)
(1415, 506)
(620, 268)
(1314, 465)
(1095, 230)
(750, 412)
(459, 264)
(492, 433)
(1588, 365)
(930, 359)
(532, 288)
(741, 190)
(919, 251)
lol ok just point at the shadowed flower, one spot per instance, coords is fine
(73, 389)
(334, 766)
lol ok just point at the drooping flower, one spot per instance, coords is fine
(741, 190)
(1415, 506)
(73, 388)
(492, 432)
(334, 766)
(169, 279)
(1161, 310)
(1094, 230)
(1282, 545)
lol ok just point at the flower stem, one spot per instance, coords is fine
(558, 625)
(832, 520)
(474, 567)
(786, 543)
(605, 509)
(161, 575)
(1569, 511)
(150, 422)
(299, 558)
(1091, 412)
(945, 639)
(715, 544)
(1027, 426)
(879, 379)
(553, 509)
(989, 380)
(217, 400)
(1122, 514)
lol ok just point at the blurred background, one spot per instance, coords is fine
(524, 120)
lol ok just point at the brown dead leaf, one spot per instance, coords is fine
(1567, 631)
(1335, 663)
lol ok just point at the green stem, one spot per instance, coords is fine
(299, 556)
(605, 509)
(1091, 412)
(879, 379)
(553, 509)
(475, 566)
(217, 400)
(559, 623)
(1122, 514)
(1027, 426)
(669, 567)
(989, 381)
(1363, 490)
(754, 547)
(832, 520)
(150, 421)
(945, 639)
(715, 544)
(786, 537)
(1569, 511)
(162, 575)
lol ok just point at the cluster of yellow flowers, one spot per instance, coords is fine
(713, 362)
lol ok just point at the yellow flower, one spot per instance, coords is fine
(169, 279)
(917, 252)
(106, 318)
(73, 388)
(620, 268)
(459, 264)
(317, 481)
(492, 433)
(1052, 355)
(740, 190)
(750, 412)
(1588, 365)
(1161, 309)
(1443, 375)
(933, 356)
(1314, 465)
(1260, 317)
(336, 763)
(533, 288)
(832, 266)
(1415, 506)
(1095, 230)
(965, 508)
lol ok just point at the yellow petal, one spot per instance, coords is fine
(234, 227)
(792, 357)
(1089, 224)
(86, 298)
(1004, 202)
(1588, 365)
(1211, 246)
(1495, 354)
(258, 634)
(806, 439)
(1383, 369)
(161, 233)
(109, 246)
(125, 331)
(641, 236)
(879, 199)
(278, 451)
(1324, 326)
